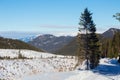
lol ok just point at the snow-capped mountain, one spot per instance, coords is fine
(50, 43)
(27, 39)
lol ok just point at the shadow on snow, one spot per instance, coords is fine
(112, 68)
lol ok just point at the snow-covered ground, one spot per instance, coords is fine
(46, 66)
(108, 69)
(39, 63)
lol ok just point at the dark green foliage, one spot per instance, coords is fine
(105, 47)
(90, 40)
(116, 43)
(85, 19)
(94, 50)
(15, 44)
(117, 16)
(93, 46)
(111, 47)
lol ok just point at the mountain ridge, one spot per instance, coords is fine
(71, 48)
(6, 43)
(53, 44)
(50, 43)
(110, 32)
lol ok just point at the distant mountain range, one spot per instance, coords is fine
(27, 39)
(59, 45)
(50, 43)
(71, 48)
(24, 36)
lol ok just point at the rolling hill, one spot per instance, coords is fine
(6, 43)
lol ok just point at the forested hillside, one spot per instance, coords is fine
(6, 43)
(111, 47)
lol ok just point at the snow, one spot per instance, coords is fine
(108, 69)
(87, 75)
(84, 65)
(41, 62)
(50, 76)
(27, 53)
(47, 66)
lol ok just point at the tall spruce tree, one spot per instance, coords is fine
(91, 46)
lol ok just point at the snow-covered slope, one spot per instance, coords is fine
(46, 66)
(108, 69)
(39, 62)
(13, 53)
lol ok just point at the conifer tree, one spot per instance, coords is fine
(91, 41)
(80, 51)
(116, 44)
(93, 46)
(117, 16)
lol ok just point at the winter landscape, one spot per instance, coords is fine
(46, 66)
(59, 40)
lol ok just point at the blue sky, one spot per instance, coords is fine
(55, 16)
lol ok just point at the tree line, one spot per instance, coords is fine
(111, 47)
